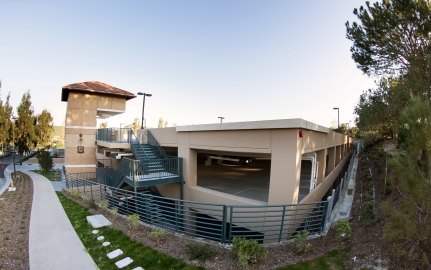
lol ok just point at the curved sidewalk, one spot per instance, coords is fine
(53, 242)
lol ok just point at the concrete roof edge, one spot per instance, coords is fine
(265, 124)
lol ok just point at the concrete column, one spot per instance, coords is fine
(321, 158)
(331, 160)
(189, 162)
(285, 166)
(337, 154)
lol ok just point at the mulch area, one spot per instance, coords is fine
(278, 255)
(15, 209)
(369, 249)
(367, 243)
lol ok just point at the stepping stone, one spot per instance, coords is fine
(98, 221)
(100, 238)
(105, 244)
(138, 268)
(95, 231)
(114, 254)
(124, 262)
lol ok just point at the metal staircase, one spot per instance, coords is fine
(151, 167)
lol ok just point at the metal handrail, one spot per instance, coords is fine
(156, 146)
(115, 135)
(171, 165)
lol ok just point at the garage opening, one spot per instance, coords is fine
(244, 175)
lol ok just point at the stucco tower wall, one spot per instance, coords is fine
(81, 126)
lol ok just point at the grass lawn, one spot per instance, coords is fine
(334, 260)
(142, 255)
(52, 175)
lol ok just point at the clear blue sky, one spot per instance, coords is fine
(244, 60)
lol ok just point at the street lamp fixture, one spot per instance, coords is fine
(221, 119)
(143, 106)
(338, 112)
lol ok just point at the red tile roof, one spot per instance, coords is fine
(94, 87)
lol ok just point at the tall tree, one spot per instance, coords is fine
(136, 125)
(391, 36)
(5, 121)
(392, 40)
(162, 123)
(409, 226)
(25, 132)
(44, 129)
(378, 109)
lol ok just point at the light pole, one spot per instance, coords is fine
(143, 106)
(338, 111)
(13, 140)
(221, 119)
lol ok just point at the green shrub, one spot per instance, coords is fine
(201, 252)
(91, 203)
(158, 235)
(343, 230)
(367, 212)
(45, 161)
(74, 193)
(104, 204)
(300, 242)
(248, 251)
(134, 220)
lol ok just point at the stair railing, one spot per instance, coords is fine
(171, 164)
(158, 150)
(127, 168)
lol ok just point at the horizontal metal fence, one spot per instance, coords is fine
(114, 135)
(218, 222)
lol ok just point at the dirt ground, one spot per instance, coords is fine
(369, 250)
(15, 209)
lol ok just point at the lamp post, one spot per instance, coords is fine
(14, 154)
(221, 119)
(143, 106)
(338, 112)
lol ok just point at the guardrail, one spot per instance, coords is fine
(157, 149)
(113, 135)
(218, 222)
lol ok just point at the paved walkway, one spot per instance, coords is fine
(53, 242)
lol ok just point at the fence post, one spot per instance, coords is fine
(223, 229)
(230, 223)
(324, 215)
(282, 224)
(330, 205)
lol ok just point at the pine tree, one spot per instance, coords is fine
(44, 129)
(5, 121)
(25, 132)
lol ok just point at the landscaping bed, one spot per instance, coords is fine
(175, 245)
(15, 210)
(368, 246)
